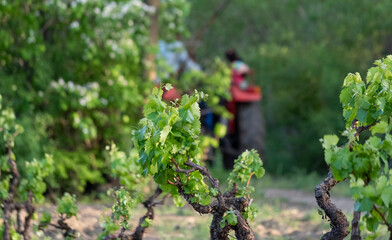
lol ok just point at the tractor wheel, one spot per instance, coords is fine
(250, 126)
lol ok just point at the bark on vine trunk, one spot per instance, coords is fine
(242, 229)
(6, 220)
(356, 232)
(216, 232)
(30, 209)
(223, 203)
(149, 205)
(8, 205)
(339, 223)
(68, 233)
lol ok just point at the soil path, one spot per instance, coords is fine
(300, 197)
(293, 218)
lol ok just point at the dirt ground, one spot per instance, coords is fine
(283, 214)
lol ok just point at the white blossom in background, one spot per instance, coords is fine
(108, 9)
(49, 2)
(71, 85)
(121, 80)
(87, 95)
(104, 101)
(81, 1)
(61, 5)
(74, 24)
(82, 102)
(31, 38)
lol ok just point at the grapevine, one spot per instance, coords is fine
(364, 156)
(167, 139)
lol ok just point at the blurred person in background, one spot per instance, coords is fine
(239, 69)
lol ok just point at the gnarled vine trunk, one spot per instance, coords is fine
(355, 231)
(149, 204)
(218, 208)
(339, 223)
(9, 205)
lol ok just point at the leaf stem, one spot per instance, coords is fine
(383, 218)
(247, 184)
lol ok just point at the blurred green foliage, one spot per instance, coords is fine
(19, 190)
(73, 72)
(133, 189)
(301, 52)
(122, 208)
(67, 205)
(35, 171)
(215, 81)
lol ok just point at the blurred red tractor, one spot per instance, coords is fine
(246, 130)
